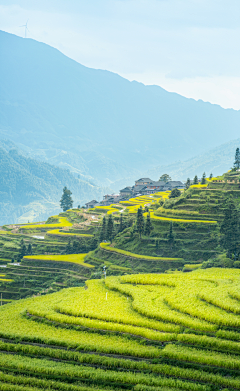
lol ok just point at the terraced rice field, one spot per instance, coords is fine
(59, 233)
(144, 332)
(107, 247)
(63, 222)
(69, 258)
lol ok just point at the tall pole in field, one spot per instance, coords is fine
(104, 271)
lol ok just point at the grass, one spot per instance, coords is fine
(126, 333)
(106, 247)
(154, 217)
(70, 258)
(5, 280)
(61, 233)
(63, 222)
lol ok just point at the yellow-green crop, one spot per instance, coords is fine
(62, 233)
(72, 258)
(106, 247)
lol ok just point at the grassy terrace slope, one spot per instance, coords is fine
(136, 332)
(195, 216)
(45, 270)
(77, 235)
(195, 227)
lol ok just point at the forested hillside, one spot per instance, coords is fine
(32, 189)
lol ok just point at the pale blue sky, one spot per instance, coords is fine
(188, 46)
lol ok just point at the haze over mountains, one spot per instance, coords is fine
(95, 121)
(31, 190)
(100, 126)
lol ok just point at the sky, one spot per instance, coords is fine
(191, 47)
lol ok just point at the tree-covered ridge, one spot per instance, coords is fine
(24, 180)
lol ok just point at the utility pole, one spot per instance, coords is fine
(104, 271)
(1, 299)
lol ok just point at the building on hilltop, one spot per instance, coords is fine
(114, 197)
(126, 192)
(173, 184)
(138, 189)
(143, 186)
(143, 181)
(91, 204)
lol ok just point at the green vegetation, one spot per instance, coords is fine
(66, 201)
(72, 258)
(30, 189)
(124, 332)
(106, 247)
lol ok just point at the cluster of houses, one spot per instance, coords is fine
(143, 186)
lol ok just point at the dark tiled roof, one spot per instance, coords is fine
(139, 187)
(127, 189)
(175, 183)
(91, 202)
(144, 180)
(157, 183)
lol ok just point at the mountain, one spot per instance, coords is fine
(31, 190)
(96, 123)
(216, 161)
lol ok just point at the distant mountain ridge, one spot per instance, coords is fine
(216, 161)
(33, 188)
(96, 123)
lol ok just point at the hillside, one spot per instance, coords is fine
(194, 219)
(165, 317)
(216, 161)
(74, 116)
(31, 190)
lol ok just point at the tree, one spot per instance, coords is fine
(68, 248)
(75, 247)
(94, 243)
(195, 180)
(230, 228)
(188, 183)
(103, 230)
(148, 225)
(110, 228)
(66, 201)
(22, 251)
(237, 159)
(157, 246)
(175, 193)
(140, 222)
(165, 178)
(171, 235)
(29, 250)
(210, 176)
(203, 180)
(120, 228)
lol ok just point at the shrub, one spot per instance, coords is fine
(175, 193)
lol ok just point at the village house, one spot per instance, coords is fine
(126, 192)
(143, 181)
(113, 197)
(143, 186)
(91, 204)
